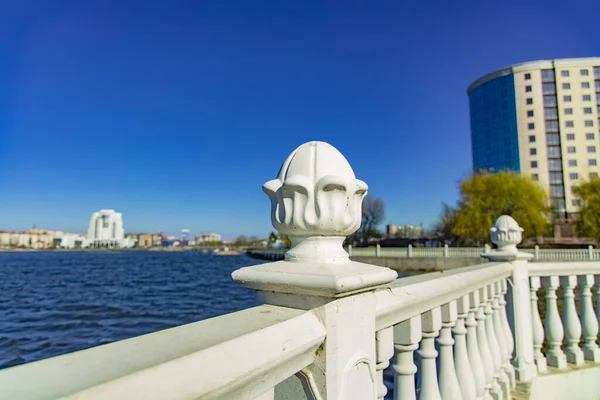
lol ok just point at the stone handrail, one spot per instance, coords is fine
(247, 352)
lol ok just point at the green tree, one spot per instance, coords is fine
(486, 196)
(444, 226)
(588, 221)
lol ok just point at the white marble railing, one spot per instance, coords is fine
(563, 331)
(329, 327)
(473, 252)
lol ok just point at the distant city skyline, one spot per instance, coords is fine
(176, 114)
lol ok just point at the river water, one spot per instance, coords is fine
(53, 303)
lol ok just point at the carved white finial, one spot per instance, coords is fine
(316, 200)
(506, 234)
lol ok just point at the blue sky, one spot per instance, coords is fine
(175, 113)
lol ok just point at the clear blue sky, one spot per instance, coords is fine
(175, 113)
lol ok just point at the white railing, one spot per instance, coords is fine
(473, 252)
(329, 326)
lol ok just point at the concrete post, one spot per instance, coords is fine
(378, 251)
(317, 273)
(536, 252)
(446, 250)
(350, 250)
(409, 250)
(591, 252)
(506, 234)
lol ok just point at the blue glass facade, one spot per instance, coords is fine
(494, 132)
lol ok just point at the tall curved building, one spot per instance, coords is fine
(106, 229)
(541, 119)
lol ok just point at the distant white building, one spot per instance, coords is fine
(207, 238)
(106, 230)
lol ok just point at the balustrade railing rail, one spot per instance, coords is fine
(329, 327)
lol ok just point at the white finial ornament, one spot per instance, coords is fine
(506, 234)
(316, 200)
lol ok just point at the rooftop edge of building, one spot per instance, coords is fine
(532, 66)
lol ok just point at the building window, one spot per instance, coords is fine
(573, 176)
(591, 149)
(529, 100)
(567, 99)
(530, 113)
(576, 202)
(548, 88)
(527, 76)
(566, 86)
(587, 110)
(528, 88)
(531, 139)
(569, 124)
(553, 152)
(585, 85)
(589, 123)
(583, 72)
(530, 126)
(556, 190)
(589, 136)
(586, 97)
(534, 164)
(570, 136)
(535, 177)
(552, 138)
(564, 73)
(568, 111)
(547, 75)
(532, 151)
(554, 165)
(593, 175)
(573, 189)
(592, 162)
(571, 149)
(597, 72)
(551, 126)
(572, 163)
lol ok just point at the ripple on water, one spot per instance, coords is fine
(54, 303)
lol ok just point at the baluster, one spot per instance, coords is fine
(571, 323)
(484, 348)
(538, 327)
(499, 332)
(508, 336)
(466, 380)
(475, 358)
(553, 325)
(431, 324)
(589, 323)
(384, 340)
(448, 381)
(407, 336)
(496, 390)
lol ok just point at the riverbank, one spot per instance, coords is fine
(105, 249)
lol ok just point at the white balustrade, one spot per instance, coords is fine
(538, 327)
(553, 325)
(507, 334)
(496, 389)
(407, 336)
(482, 341)
(384, 341)
(589, 323)
(448, 381)
(498, 328)
(464, 372)
(571, 322)
(475, 357)
(431, 324)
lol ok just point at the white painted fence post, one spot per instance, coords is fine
(431, 324)
(475, 357)
(384, 340)
(553, 325)
(589, 323)
(378, 251)
(446, 253)
(486, 248)
(407, 336)
(464, 372)
(350, 250)
(409, 250)
(448, 381)
(506, 234)
(571, 322)
(536, 252)
(317, 273)
(591, 252)
(538, 326)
